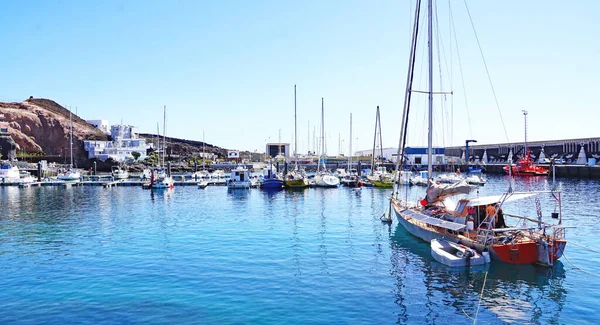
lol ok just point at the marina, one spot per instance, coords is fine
(285, 256)
(471, 197)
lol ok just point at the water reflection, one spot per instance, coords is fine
(513, 293)
(161, 194)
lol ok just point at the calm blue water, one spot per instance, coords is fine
(212, 256)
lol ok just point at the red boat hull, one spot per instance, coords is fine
(539, 171)
(527, 252)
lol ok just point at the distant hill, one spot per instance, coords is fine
(40, 125)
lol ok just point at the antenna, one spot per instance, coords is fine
(525, 116)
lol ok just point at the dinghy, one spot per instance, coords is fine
(456, 255)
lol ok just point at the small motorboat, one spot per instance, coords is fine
(202, 184)
(475, 180)
(456, 255)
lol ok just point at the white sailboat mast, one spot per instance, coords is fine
(71, 138)
(164, 134)
(350, 146)
(322, 132)
(430, 54)
(295, 131)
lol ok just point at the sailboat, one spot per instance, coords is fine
(350, 178)
(525, 165)
(70, 174)
(160, 178)
(323, 178)
(297, 178)
(474, 223)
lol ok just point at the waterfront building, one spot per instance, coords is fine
(3, 125)
(414, 155)
(278, 149)
(125, 142)
(102, 125)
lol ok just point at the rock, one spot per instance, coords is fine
(8, 147)
(42, 125)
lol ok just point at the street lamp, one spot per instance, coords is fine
(467, 150)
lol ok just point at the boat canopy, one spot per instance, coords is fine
(433, 221)
(485, 200)
(438, 192)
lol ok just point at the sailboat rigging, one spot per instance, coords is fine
(323, 178)
(161, 178)
(432, 220)
(70, 174)
(296, 178)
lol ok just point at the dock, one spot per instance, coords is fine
(104, 183)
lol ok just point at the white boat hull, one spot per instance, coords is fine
(69, 176)
(238, 185)
(326, 181)
(455, 255)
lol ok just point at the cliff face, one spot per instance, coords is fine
(42, 125)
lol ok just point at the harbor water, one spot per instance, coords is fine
(315, 256)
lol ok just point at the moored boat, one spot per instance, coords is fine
(475, 180)
(456, 255)
(240, 178)
(9, 173)
(475, 223)
(525, 166)
(270, 179)
(119, 173)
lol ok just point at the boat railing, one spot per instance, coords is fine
(528, 219)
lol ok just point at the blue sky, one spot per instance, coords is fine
(228, 68)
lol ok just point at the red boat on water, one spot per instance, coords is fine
(526, 167)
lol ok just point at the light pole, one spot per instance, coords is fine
(467, 151)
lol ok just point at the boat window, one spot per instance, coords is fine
(461, 207)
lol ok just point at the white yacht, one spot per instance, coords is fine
(9, 173)
(240, 178)
(119, 173)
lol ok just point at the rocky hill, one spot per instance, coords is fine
(42, 126)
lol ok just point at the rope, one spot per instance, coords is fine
(591, 249)
(486, 70)
(480, 298)
(462, 78)
(580, 269)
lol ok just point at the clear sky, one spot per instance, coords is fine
(228, 68)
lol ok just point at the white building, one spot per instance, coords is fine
(3, 125)
(125, 142)
(102, 125)
(233, 154)
(388, 153)
(414, 156)
(278, 149)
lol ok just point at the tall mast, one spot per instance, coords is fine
(374, 142)
(308, 138)
(204, 152)
(158, 143)
(430, 129)
(164, 134)
(322, 131)
(71, 139)
(406, 110)
(525, 115)
(350, 146)
(295, 131)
